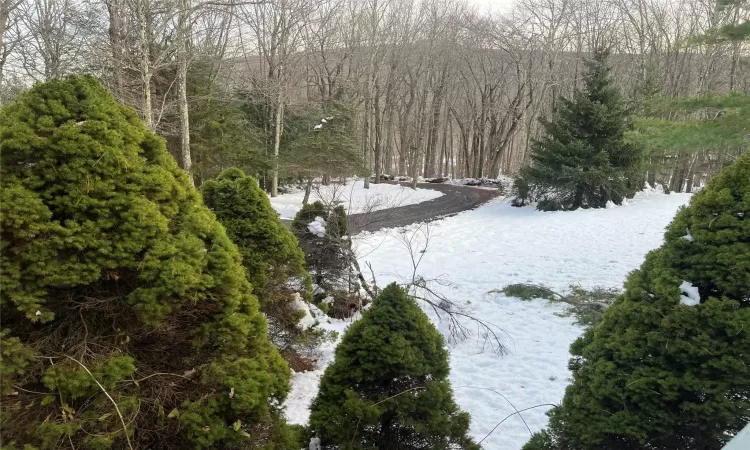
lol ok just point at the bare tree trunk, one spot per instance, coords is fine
(417, 156)
(308, 189)
(443, 153)
(388, 110)
(691, 173)
(377, 149)
(277, 130)
(437, 105)
(145, 65)
(114, 7)
(182, 89)
(366, 140)
(6, 7)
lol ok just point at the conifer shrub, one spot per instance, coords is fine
(668, 366)
(388, 387)
(128, 321)
(274, 263)
(328, 255)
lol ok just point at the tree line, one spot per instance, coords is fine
(429, 88)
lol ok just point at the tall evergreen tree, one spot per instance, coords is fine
(221, 136)
(319, 139)
(388, 387)
(127, 318)
(669, 365)
(738, 31)
(274, 263)
(583, 160)
(322, 141)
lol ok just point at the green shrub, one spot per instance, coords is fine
(388, 387)
(328, 256)
(274, 263)
(119, 287)
(539, 441)
(668, 366)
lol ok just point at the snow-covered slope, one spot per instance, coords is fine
(354, 197)
(487, 248)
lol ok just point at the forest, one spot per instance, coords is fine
(433, 88)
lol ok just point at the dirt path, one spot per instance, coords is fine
(454, 200)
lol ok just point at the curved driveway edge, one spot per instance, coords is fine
(455, 199)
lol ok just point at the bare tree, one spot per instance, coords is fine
(182, 66)
(8, 13)
(56, 39)
(278, 26)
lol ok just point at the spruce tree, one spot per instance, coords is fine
(127, 318)
(328, 256)
(388, 387)
(669, 365)
(322, 140)
(274, 263)
(583, 159)
(734, 32)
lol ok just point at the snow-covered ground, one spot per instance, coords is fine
(354, 197)
(305, 384)
(482, 250)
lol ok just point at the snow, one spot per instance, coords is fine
(354, 197)
(314, 443)
(317, 289)
(317, 226)
(307, 320)
(688, 237)
(305, 384)
(318, 126)
(485, 249)
(690, 295)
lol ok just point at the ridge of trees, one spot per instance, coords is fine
(429, 88)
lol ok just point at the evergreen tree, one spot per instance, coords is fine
(669, 365)
(738, 31)
(221, 136)
(127, 318)
(319, 139)
(328, 255)
(584, 161)
(388, 387)
(274, 263)
(269, 250)
(322, 141)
